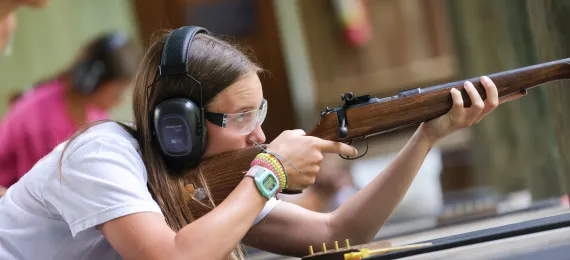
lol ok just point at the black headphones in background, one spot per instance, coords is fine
(178, 123)
(88, 74)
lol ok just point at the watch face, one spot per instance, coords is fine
(269, 183)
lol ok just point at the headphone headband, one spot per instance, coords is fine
(175, 53)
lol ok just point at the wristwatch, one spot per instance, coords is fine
(265, 180)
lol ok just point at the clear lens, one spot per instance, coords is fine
(244, 123)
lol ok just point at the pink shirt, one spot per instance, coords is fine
(33, 126)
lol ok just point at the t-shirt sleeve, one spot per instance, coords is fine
(269, 206)
(101, 179)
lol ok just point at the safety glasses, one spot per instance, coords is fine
(242, 123)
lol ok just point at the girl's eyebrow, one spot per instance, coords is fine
(244, 109)
(247, 108)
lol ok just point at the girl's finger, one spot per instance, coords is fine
(477, 104)
(457, 112)
(492, 100)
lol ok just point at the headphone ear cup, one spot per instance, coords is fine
(88, 75)
(180, 131)
(79, 73)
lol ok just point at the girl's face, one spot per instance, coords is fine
(244, 95)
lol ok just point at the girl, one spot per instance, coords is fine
(109, 192)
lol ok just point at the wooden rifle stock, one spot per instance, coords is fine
(365, 116)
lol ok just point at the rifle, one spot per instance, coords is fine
(364, 116)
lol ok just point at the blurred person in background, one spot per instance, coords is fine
(53, 110)
(8, 19)
(333, 186)
(8, 24)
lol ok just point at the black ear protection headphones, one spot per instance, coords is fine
(88, 74)
(178, 123)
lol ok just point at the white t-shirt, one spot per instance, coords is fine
(46, 215)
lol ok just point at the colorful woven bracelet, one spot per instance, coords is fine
(282, 167)
(273, 165)
(268, 165)
(281, 170)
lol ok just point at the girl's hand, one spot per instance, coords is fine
(2, 191)
(460, 117)
(306, 154)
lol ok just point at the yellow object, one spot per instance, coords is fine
(364, 252)
(324, 247)
(336, 245)
(347, 244)
(311, 250)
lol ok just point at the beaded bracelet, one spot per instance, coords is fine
(272, 164)
(282, 167)
(282, 173)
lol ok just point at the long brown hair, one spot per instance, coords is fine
(216, 64)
